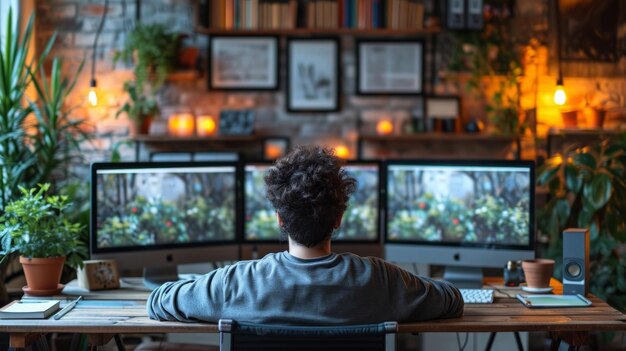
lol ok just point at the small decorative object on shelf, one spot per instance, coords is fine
(384, 127)
(570, 118)
(274, 148)
(342, 151)
(444, 111)
(205, 125)
(236, 122)
(474, 126)
(181, 125)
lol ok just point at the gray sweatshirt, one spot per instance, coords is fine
(331, 290)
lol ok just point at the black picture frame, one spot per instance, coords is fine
(380, 88)
(221, 42)
(327, 53)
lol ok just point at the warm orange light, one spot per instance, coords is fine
(342, 151)
(273, 152)
(92, 97)
(559, 95)
(181, 124)
(205, 125)
(384, 127)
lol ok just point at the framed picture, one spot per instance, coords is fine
(390, 67)
(236, 122)
(313, 74)
(243, 63)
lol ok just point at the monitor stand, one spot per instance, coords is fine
(464, 277)
(156, 276)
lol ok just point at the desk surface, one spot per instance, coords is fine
(505, 314)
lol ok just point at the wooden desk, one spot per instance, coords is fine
(506, 314)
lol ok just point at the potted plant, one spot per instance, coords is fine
(153, 52)
(597, 103)
(587, 188)
(35, 226)
(139, 108)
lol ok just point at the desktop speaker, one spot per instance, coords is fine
(575, 261)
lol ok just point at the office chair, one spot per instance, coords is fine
(238, 336)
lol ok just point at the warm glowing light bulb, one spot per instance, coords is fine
(559, 95)
(342, 152)
(384, 127)
(92, 97)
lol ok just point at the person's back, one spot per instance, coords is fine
(308, 284)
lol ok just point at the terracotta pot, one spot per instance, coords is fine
(570, 118)
(538, 272)
(42, 273)
(143, 126)
(595, 118)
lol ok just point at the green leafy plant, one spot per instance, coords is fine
(491, 53)
(35, 226)
(138, 106)
(587, 188)
(17, 159)
(38, 140)
(153, 52)
(57, 135)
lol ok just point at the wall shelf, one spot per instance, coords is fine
(248, 146)
(439, 145)
(320, 31)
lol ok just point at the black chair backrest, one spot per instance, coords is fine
(238, 336)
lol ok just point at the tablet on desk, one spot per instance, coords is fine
(553, 301)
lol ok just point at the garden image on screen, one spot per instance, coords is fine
(359, 221)
(138, 207)
(460, 204)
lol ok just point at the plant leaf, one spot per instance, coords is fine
(573, 179)
(585, 159)
(598, 191)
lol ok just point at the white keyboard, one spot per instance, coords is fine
(477, 295)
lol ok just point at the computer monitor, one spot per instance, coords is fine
(462, 214)
(360, 227)
(158, 215)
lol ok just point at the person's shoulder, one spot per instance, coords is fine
(365, 260)
(269, 259)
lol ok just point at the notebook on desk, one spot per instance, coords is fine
(29, 309)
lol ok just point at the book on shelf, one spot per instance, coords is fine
(29, 309)
(312, 14)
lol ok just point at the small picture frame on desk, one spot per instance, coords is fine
(390, 67)
(313, 74)
(443, 113)
(243, 63)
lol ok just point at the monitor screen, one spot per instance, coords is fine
(142, 206)
(462, 203)
(360, 221)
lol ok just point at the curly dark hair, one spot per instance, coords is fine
(310, 191)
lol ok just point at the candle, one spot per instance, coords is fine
(205, 125)
(181, 124)
(342, 151)
(384, 127)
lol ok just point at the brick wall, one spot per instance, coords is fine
(76, 22)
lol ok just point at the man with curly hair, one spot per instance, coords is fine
(309, 284)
